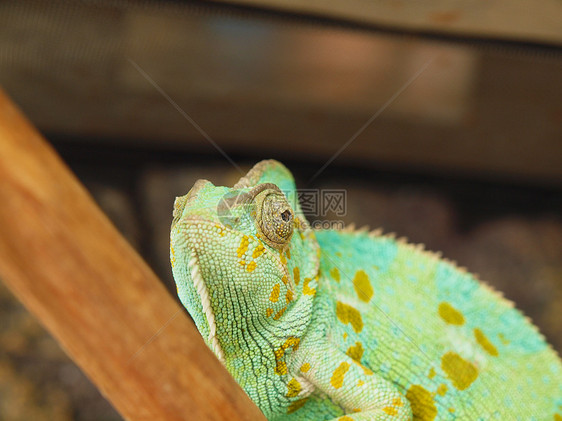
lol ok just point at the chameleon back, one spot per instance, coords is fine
(454, 347)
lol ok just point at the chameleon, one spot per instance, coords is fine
(349, 325)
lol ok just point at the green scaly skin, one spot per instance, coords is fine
(349, 325)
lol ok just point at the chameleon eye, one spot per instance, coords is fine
(274, 218)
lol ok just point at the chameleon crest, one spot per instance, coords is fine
(349, 325)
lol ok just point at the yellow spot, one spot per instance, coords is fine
(173, 259)
(485, 343)
(281, 368)
(397, 402)
(258, 251)
(293, 388)
(306, 290)
(504, 340)
(242, 262)
(431, 373)
(284, 279)
(289, 295)
(450, 314)
(461, 372)
(345, 335)
(421, 401)
(274, 297)
(220, 230)
(251, 266)
(356, 409)
(296, 405)
(442, 389)
(347, 314)
(291, 342)
(338, 375)
(283, 258)
(362, 286)
(296, 275)
(338, 253)
(451, 410)
(305, 367)
(345, 418)
(288, 253)
(279, 313)
(269, 312)
(367, 371)
(243, 247)
(390, 410)
(335, 273)
(355, 352)
(360, 383)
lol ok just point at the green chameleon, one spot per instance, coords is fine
(349, 325)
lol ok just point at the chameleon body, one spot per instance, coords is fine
(349, 325)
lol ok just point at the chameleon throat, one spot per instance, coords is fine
(201, 288)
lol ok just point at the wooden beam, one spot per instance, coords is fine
(65, 261)
(515, 20)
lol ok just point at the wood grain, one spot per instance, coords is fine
(64, 260)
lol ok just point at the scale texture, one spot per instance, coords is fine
(349, 325)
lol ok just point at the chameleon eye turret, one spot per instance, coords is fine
(274, 218)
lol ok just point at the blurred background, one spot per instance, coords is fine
(441, 120)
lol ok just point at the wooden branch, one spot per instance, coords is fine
(64, 260)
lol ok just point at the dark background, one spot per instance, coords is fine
(467, 159)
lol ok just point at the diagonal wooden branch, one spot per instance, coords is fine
(65, 261)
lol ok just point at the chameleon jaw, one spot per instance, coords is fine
(201, 288)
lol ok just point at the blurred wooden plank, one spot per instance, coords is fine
(515, 20)
(267, 89)
(65, 261)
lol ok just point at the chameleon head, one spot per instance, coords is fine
(245, 260)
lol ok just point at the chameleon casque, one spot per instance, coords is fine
(349, 325)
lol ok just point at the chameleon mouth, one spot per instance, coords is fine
(203, 293)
